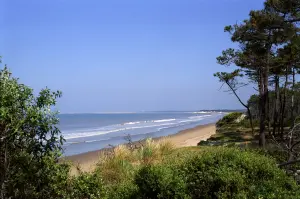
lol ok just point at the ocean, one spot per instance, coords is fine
(89, 132)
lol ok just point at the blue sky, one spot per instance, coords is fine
(121, 55)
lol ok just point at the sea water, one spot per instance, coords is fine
(89, 132)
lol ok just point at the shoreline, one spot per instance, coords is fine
(188, 137)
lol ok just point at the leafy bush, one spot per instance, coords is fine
(87, 185)
(160, 182)
(213, 172)
(232, 173)
(229, 119)
(30, 142)
(246, 123)
(126, 190)
(206, 172)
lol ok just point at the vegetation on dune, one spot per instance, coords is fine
(232, 173)
(210, 172)
(206, 172)
(121, 164)
(230, 119)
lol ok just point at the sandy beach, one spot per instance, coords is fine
(188, 137)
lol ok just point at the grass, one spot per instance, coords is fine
(121, 164)
(231, 135)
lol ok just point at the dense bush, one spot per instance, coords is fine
(29, 142)
(229, 119)
(87, 185)
(124, 190)
(213, 172)
(160, 182)
(232, 173)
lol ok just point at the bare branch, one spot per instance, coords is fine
(289, 163)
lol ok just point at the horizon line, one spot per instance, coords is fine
(133, 112)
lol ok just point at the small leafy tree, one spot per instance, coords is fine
(30, 142)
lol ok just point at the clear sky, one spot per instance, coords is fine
(122, 55)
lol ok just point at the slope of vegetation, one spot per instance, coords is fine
(207, 172)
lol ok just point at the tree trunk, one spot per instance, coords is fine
(276, 105)
(283, 103)
(262, 109)
(251, 119)
(4, 167)
(293, 104)
(268, 110)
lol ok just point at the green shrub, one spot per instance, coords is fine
(203, 143)
(126, 190)
(160, 182)
(229, 119)
(246, 123)
(87, 185)
(30, 142)
(232, 173)
(206, 172)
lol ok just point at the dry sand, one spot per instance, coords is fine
(189, 137)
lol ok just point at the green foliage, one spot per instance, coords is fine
(126, 190)
(232, 173)
(229, 77)
(245, 123)
(160, 182)
(30, 142)
(208, 172)
(87, 185)
(229, 119)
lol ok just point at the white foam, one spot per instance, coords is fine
(85, 134)
(131, 123)
(202, 112)
(89, 141)
(199, 117)
(162, 124)
(159, 129)
(91, 133)
(166, 120)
